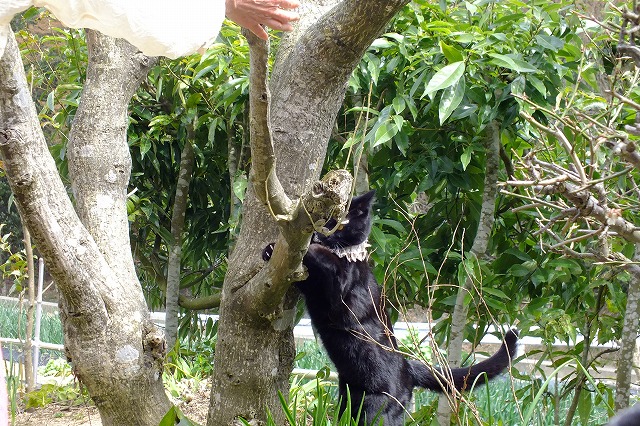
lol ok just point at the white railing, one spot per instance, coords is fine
(302, 331)
(36, 344)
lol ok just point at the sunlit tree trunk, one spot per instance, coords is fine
(115, 350)
(255, 350)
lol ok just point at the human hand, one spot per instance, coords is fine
(253, 14)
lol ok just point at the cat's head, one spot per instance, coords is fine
(354, 229)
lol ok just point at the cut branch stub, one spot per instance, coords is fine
(329, 197)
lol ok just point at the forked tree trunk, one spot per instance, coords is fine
(255, 350)
(115, 350)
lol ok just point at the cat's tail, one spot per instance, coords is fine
(439, 380)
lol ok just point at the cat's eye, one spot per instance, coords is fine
(342, 224)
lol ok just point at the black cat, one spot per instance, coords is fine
(347, 309)
(628, 417)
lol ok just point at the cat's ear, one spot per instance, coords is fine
(364, 201)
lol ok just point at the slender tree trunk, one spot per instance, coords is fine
(361, 167)
(180, 202)
(28, 339)
(115, 350)
(255, 350)
(234, 165)
(446, 401)
(628, 337)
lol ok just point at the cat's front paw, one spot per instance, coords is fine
(267, 252)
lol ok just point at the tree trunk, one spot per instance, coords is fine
(628, 338)
(446, 401)
(180, 202)
(115, 350)
(29, 371)
(255, 350)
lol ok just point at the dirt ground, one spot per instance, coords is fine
(58, 414)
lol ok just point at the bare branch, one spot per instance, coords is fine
(629, 152)
(589, 206)
(296, 220)
(263, 171)
(557, 133)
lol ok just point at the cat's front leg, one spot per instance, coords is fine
(320, 257)
(317, 255)
(267, 252)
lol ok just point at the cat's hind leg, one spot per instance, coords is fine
(382, 409)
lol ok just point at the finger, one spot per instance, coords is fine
(277, 25)
(280, 15)
(283, 15)
(258, 30)
(288, 4)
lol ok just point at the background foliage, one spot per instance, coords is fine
(414, 118)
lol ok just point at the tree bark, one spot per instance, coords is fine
(115, 350)
(446, 401)
(255, 350)
(628, 337)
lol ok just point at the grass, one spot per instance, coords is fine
(14, 322)
(503, 401)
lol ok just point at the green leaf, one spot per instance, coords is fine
(537, 84)
(465, 157)
(379, 237)
(145, 146)
(515, 64)
(204, 71)
(240, 186)
(381, 43)
(397, 226)
(51, 100)
(31, 13)
(193, 100)
(399, 104)
(446, 77)
(353, 139)
(373, 66)
(495, 292)
(384, 133)
(175, 417)
(550, 42)
(450, 100)
(585, 406)
(398, 121)
(402, 142)
(451, 53)
(517, 85)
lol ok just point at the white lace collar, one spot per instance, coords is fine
(353, 253)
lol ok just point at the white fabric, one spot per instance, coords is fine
(171, 28)
(8, 9)
(353, 253)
